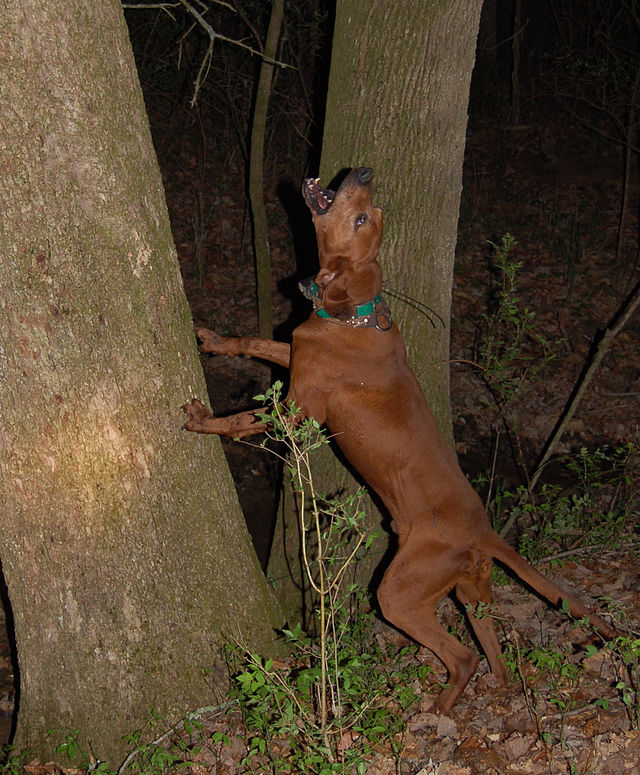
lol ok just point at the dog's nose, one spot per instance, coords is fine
(365, 175)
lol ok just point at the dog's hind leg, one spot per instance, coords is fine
(472, 589)
(418, 577)
(497, 548)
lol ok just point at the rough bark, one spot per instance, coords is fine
(397, 101)
(125, 555)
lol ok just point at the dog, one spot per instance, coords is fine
(349, 371)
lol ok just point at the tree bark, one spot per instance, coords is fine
(397, 101)
(124, 551)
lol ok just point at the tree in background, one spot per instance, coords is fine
(125, 556)
(397, 101)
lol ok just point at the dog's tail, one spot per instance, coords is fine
(554, 594)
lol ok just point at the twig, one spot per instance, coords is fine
(448, 362)
(213, 35)
(176, 727)
(531, 709)
(585, 550)
(162, 6)
(582, 709)
(493, 470)
(620, 319)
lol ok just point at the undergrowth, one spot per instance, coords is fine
(342, 695)
(593, 504)
(551, 676)
(371, 688)
(510, 350)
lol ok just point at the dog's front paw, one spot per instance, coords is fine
(198, 415)
(210, 342)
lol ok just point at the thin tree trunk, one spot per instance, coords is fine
(261, 247)
(629, 151)
(124, 551)
(515, 62)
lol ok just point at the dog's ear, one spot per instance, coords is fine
(342, 289)
(333, 286)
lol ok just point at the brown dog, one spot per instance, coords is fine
(348, 370)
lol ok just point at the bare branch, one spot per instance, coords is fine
(619, 321)
(199, 14)
(213, 35)
(159, 6)
(163, 6)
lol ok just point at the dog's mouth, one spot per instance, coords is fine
(318, 199)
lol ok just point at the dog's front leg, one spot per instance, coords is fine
(266, 349)
(201, 420)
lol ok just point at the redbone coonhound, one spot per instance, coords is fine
(348, 370)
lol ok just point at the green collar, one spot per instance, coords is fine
(362, 310)
(374, 313)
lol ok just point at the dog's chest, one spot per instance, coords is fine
(331, 363)
(334, 353)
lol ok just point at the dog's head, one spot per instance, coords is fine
(348, 226)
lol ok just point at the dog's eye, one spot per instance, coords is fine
(362, 218)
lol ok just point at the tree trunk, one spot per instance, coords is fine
(125, 555)
(261, 247)
(397, 102)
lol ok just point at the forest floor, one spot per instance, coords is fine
(561, 205)
(554, 727)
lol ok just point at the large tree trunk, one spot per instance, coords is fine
(397, 102)
(125, 555)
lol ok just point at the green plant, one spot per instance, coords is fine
(73, 750)
(340, 694)
(172, 750)
(547, 677)
(624, 652)
(334, 523)
(370, 689)
(511, 352)
(13, 761)
(70, 746)
(626, 648)
(591, 509)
